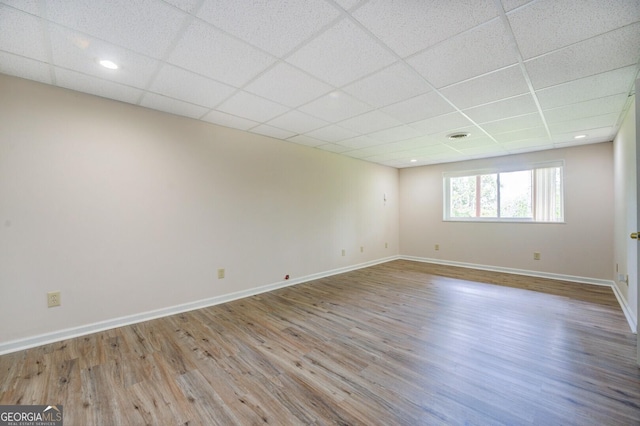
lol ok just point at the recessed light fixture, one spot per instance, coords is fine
(458, 135)
(580, 136)
(108, 64)
(413, 160)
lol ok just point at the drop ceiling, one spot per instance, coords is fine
(384, 81)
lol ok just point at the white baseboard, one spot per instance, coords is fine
(625, 309)
(571, 278)
(56, 336)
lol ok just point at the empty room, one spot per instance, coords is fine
(292, 212)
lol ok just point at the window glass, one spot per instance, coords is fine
(531, 194)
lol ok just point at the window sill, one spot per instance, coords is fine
(476, 220)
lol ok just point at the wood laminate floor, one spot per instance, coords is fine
(398, 343)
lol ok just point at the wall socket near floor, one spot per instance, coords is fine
(386, 245)
(436, 247)
(536, 255)
(220, 273)
(361, 249)
(344, 252)
(53, 299)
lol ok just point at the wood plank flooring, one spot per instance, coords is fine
(402, 343)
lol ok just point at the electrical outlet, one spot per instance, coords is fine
(386, 245)
(437, 247)
(53, 299)
(536, 255)
(220, 273)
(344, 252)
(361, 249)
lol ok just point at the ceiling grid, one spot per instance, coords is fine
(384, 81)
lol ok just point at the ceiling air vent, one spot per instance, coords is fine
(458, 136)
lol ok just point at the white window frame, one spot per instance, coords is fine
(446, 201)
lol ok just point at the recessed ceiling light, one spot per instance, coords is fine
(458, 135)
(108, 64)
(413, 160)
(580, 136)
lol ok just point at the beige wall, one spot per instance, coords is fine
(626, 249)
(127, 210)
(581, 247)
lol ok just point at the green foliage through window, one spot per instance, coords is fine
(534, 194)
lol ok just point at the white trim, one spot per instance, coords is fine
(625, 309)
(56, 336)
(571, 278)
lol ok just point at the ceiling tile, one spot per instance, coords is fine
(476, 142)
(22, 34)
(228, 120)
(95, 86)
(360, 142)
(513, 4)
(523, 134)
(512, 124)
(252, 107)
(145, 26)
(344, 88)
(298, 122)
(331, 134)
(273, 132)
(443, 137)
(601, 106)
(393, 84)
(447, 122)
(213, 54)
(306, 140)
(189, 6)
(276, 26)
(562, 23)
(613, 50)
(336, 106)
(288, 86)
(410, 26)
(423, 144)
(19, 66)
(619, 81)
(29, 6)
(347, 4)
(368, 151)
(511, 107)
(483, 49)
(331, 147)
(341, 55)
(180, 84)
(583, 125)
(370, 122)
(419, 108)
(173, 106)
(482, 151)
(79, 52)
(395, 134)
(603, 134)
(491, 87)
(527, 145)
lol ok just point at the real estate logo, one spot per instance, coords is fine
(31, 415)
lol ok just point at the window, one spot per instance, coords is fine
(532, 194)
